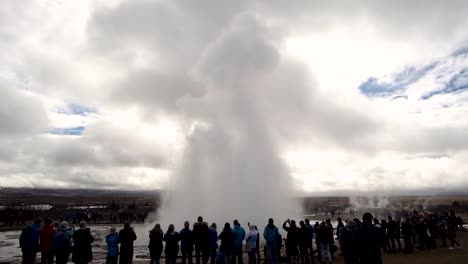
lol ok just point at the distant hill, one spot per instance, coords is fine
(82, 193)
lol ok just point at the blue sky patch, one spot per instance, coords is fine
(394, 89)
(67, 131)
(76, 109)
(396, 86)
(459, 82)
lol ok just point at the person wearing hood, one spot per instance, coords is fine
(370, 241)
(213, 243)
(61, 244)
(156, 238)
(349, 242)
(46, 236)
(29, 242)
(239, 236)
(227, 240)
(186, 243)
(126, 237)
(271, 234)
(172, 239)
(82, 239)
(251, 241)
(112, 241)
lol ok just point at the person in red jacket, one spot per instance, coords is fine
(46, 236)
(451, 235)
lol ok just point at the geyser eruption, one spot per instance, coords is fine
(230, 168)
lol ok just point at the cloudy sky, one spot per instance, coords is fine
(351, 95)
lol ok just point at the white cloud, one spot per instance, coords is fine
(153, 69)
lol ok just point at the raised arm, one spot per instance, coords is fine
(286, 227)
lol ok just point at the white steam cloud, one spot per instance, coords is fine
(230, 168)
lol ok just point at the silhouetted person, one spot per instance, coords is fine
(442, 229)
(338, 229)
(317, 243)
(186, 243)
(325, 241)
(332, 247)
(156, 238)
(201, 239)
(112, 241)
(46, 236)
(421, 234)
(407, 232)
(451, 235)
(349, 242)
(82, 239)
(257, 250)
(239, 235)
(391, 234)
(292, 239)
(398, 234)
(126, 238)
(29, 242)
(279, 246)
(370, 241)
(172, 245)
(302, 242)
(213, 243)
(271, 234)
(310, 238)
(227, 243)
(460, 223)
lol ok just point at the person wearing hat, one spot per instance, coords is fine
(46, 236)
(61, 244)
(112, 241)
(82, 238)
(213, 243)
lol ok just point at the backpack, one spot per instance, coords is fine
(60, 243)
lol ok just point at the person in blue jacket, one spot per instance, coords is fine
(239, 236)
(271, 235)
(112, 241)
(29, 241)
(62, 243)
(213, 243)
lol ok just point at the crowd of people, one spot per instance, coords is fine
(360, 241)
(12, 218)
